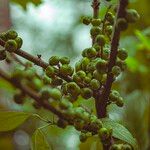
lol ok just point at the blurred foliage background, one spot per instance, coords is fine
(53, 27)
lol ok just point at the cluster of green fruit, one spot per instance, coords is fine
(121, 147)
(12, 42)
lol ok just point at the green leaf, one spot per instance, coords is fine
(39, 141)
(120, 132)
(24, 3)
(11, 120)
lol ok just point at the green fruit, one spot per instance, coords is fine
(121, 24)
(110, 18)
(2, 54)
(19, 42)
(66, 70)
(62, 123)
(132, 15)
(91, 52)
(96, 22)
(86, 20)
(95, 84)
(78, 66)
(11, 34)
(3, 36)
(79, 112)
(121, 64)
(109, 30)
(84, 62)
(36, 83)
(11, 45)
(98, 76)
(97, 47)
(100, 39)
(95, 31)
(50, 71)
(115, 147)
(65, 104)
(64, 88)
(91, 67)
(46, 80)
(83, 137)
(104, 78)
(103, 133)
(101, 66)
(106, 54)
(54, 60)
(122, 54)
(87, 80)
(86, 93)
(30, 73)
(55, 94)
(114, 95)
(120, 102)
(64, 60)
(56, 81)
(116, 71)
(45, 93)
(19, 98)
(76, 78)
(73, 88)
(84, 53)
(81, 74)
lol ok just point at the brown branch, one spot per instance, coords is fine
(101, 104)
(37, 61)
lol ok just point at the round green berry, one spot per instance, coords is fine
(94, 84)
(83, 137)
(126, 147)
(11, 34)
(84, 62)
(110, 17)
(73, 88)
(95, 31)
(86, 93)
(91, 52)
(101, 66)
(116, 71)
(78, 66)
(103, 133)
(97, 47)
(64, 60)
(122, 54)
(81, 74)
(104, 78)
(3, 36)
(65, 104)
(19, 42)
(91, 67)
(96, 22)
(115, 147)
(86, 20)
(106, 54)
(45, 93)
(2, 54)
(121, 64)
(46, 79)
(98, 76)
(87, 80)
(84, 53)
(54, 60)
(132, 15)
(11, 45)
(121, 24)
(50, 71)
(100, 39)
(36, 83)
(120, 102)
(55, 94)
(114, 95)
(66, 70)
(109, 30)
(56, 81)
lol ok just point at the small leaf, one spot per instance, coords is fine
(120, 132)
(11, 120)
(39, 141)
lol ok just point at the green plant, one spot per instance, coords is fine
(61, 85)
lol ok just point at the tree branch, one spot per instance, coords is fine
(101, 105)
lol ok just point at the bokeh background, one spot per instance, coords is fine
(53, 27)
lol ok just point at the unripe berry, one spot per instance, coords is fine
(78, 66)
(81, 74)
(100, 39)
(110, 17)
(103, 133)
(36, 84)
(114, 95)
(2, 54)
(11, 34)
(66, 70)
(55, 94)
(97, 47)
(45, 93)
(109, 30)
(86, 20)
(84, 53)
(116, 71)
(101, 66)
(64, 60)
(121, 24)
(87, 80)
(19, 42)
(50, 72)
(3, 36)
(104, 78)
(91, 67)
(84, 62)
(91, 52)
(46, 80)
(122, 54)
(79, 112)
(76, 78)
(95, 31)
(132, 15)
(95, 84)
(121, 64)
(86, 93)
(62, 123)
(83, 137)
(96, 22)
(120, 102)
(115, 147)
(73, 88)
(97, 75)
(106, 54)
(11, 45)
(54, 60)
(30, 73)
(65, 104)
(56, 81)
